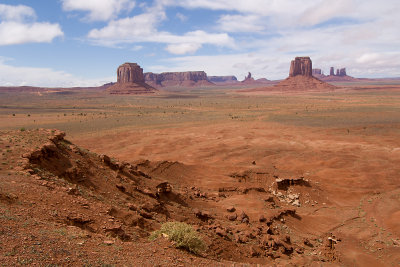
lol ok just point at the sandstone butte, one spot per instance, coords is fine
(223, 79)
(130, 80)
(300, 79)
(171, 79)
(340, 76)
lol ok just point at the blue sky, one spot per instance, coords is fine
(81, 43)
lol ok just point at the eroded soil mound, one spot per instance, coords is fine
(296, 84)
(62, 204)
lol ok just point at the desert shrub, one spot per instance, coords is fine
(22, 129)
(183, 235)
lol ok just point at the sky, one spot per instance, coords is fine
(64, 43)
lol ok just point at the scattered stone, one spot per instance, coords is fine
(231, 209)
(164, 187)
(108, 242)
(203, 215)
(232, 217)
(221, 232)
(121, 187)
(243, 217)
(255, 251)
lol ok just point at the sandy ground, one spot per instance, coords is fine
(357, 173)
(345, 144)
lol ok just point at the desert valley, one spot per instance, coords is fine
(297, 172)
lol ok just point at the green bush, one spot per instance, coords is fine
(183, 235)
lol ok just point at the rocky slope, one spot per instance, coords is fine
(65, 205)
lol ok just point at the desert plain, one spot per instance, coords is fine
(223, 152)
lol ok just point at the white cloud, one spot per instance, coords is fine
(184, 48)
(181, 17)
(143, 28)
(241, 23)
(45, 77)
(137, 48)
(99, 10)
(19, 33)
(15, 30)
(16, 13)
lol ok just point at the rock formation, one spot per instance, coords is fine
(316, 72)
(300, 79)
(170, 79)
(339, 72)
(130, 80)
(339, 76)
(248, 78)
(130, 72)
(301, 66)
(223, 79)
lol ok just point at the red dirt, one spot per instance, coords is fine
(258, 192)
(297, 83)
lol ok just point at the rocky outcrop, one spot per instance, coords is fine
(300, 79)
(339, 76)
(130, 72)
(248, 78)
(130, 80)
(170, 79)
(339, 72)
(301, 66)
(223, 79)
(316, 72)
(332, 71)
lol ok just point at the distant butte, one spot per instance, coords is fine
(340, 76)
(130, 80)
(300, 79)
(177, 79)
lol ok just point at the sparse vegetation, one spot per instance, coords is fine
(183, 235)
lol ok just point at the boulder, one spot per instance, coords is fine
(231, 209)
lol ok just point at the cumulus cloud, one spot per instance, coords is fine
(19, 33)
(44, 77)
(361, 35)
(16, 13)
(99, 10)
(181, 49)
(143, 28)
(15, 29)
